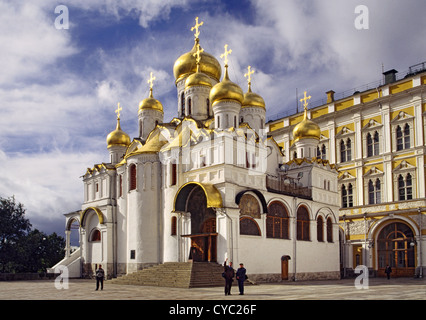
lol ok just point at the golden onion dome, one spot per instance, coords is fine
(118, 137)
(252, 99)
(306, 129)
(198, 79)
(186, 65)
(150, 103)
(226, 90)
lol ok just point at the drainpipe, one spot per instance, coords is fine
(420, 244)
(294, 237)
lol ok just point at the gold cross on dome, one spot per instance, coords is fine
(248, 74)
(305, 100)
(197, 54)
(225, 55)
(151, 81)
(117, 111)
(196, 27)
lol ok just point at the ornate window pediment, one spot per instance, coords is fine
(405, 166)
(401, 117)
(345, 131)
(372, 124)
(346, 176)
(373, 172)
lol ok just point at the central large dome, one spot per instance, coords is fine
(186, 65)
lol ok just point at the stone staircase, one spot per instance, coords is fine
(176, 274)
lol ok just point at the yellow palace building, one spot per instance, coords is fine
(376, 138)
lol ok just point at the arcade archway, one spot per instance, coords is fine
(395, 247)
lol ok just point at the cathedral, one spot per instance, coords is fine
(210, 185)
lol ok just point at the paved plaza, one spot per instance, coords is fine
(378, 289)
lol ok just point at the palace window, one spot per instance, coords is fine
(374, 191)
(322, 152)
(303, 224)
(373, 144)
(277, 221)
(132, 180)
(320, 229)
(405, 187)
(403, 137)
(345, 150)
(347, 196)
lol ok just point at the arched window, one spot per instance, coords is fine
(372, 144)
(403, 137)
(303, 224)
(132, 180)
(322, 152)
(208, 107)
(329, 230)
(95, 235)
(277, 223)
(320, 229)
(182, 102)
(189, 107)
(374, 192)
(347, 196)
(173, 229)
(346, 150)
(249, 227)
(405, 188)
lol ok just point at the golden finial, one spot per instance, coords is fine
(248, 76)
(196, 27)
(197, 56)
(151, 84)
(151, 80)
(225, 55)
(305, 100)
(117, 111)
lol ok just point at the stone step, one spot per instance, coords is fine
(176, 274)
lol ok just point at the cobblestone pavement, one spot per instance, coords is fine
(378, 289)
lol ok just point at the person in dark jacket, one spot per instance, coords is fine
(241, 277)
(388, 271)
(100, 275)
(228, 274)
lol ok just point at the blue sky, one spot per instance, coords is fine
(59, 88)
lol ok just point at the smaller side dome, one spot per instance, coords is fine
(118, 137)
(252, 99)
(226, 90)
(306, 129)
(198, 79)
(150, 103)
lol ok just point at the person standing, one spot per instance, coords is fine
(241, 277)
(228, 274)
(100, 275)
(388, 271)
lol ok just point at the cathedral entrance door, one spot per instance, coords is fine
(203, 226)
